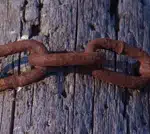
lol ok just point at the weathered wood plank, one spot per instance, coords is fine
(49, 107)
(134, 27)
(9, 31)
(58, 23)
(65, 101)
(99, 110)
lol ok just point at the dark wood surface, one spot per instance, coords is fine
(67, 102)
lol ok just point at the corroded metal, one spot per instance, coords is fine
(26, 78)
(40, 59)
(65, 59)
(120, 79)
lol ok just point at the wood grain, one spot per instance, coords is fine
(65, 101)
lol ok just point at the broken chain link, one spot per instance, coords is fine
(40, 60)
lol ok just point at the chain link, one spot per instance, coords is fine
(40, 60)
(27, 78)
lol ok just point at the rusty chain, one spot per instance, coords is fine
(15, 81)
(40, 60)
(120, 47)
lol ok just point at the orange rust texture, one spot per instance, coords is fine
(26, 78)
(40, 58)
(120, 79)
(66, 59)
(142, 57)
(121, 47)
(105, 43)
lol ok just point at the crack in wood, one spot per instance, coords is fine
(74, 76)
(59, 1)
(21, 28)
(35, 29)
(149, 107)
(93, 107)
(2, 112)
(114, 12)
(15, 94)
(23, 9)
(13, 113)
(76, 32)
